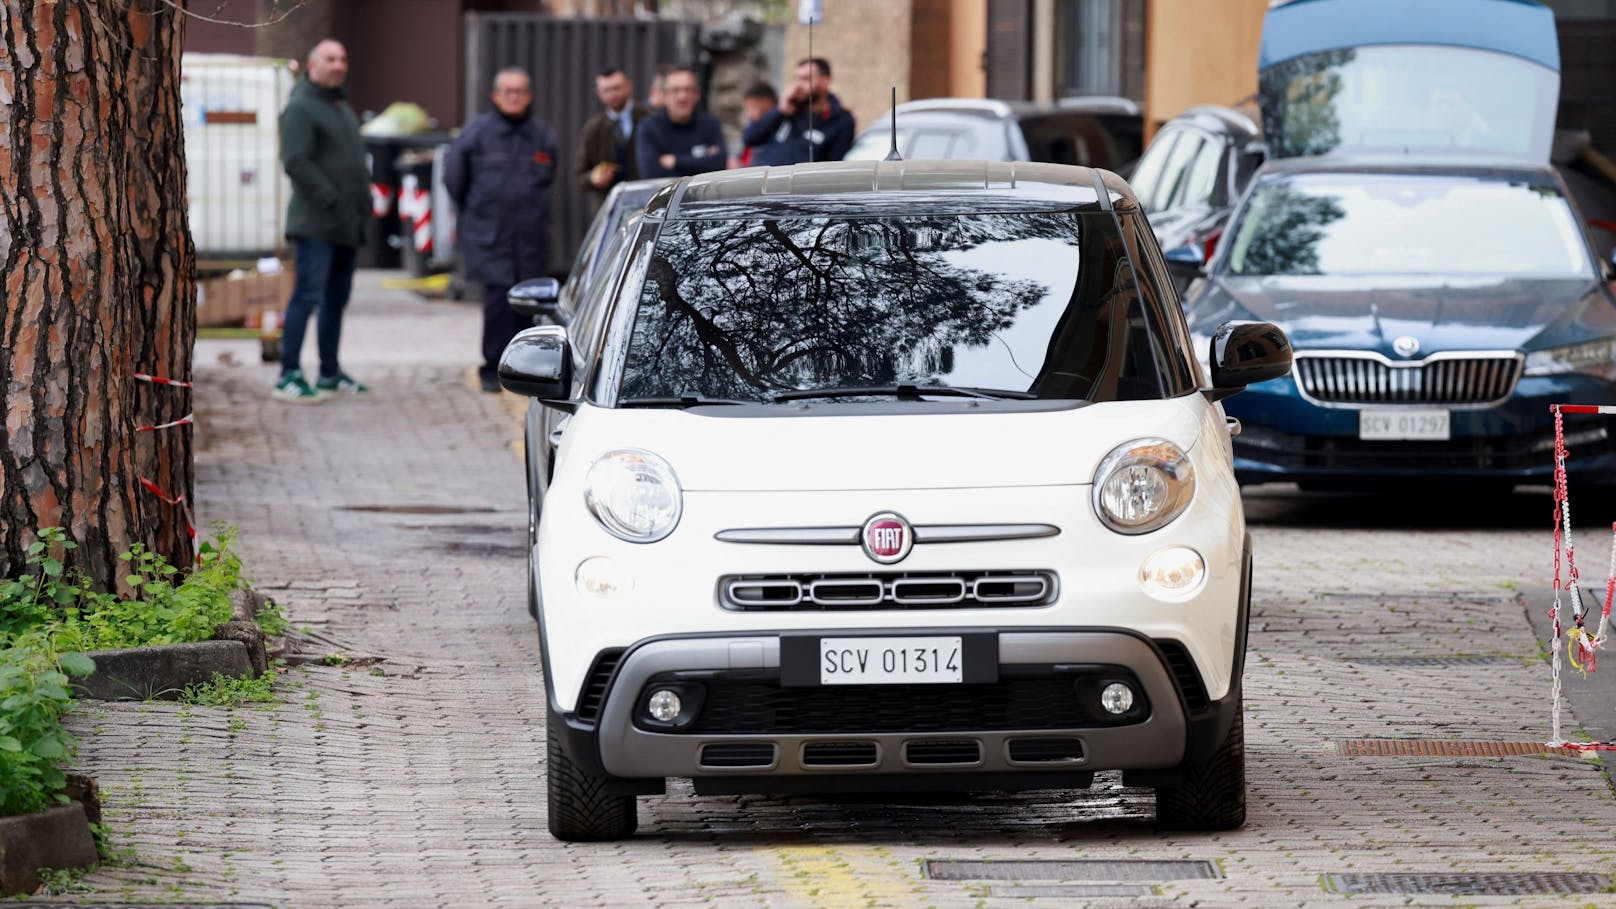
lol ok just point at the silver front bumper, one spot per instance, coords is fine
(1156, 741)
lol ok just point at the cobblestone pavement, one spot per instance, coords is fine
(391, 527)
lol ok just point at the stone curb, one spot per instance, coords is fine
(56, 838)
(161, 672)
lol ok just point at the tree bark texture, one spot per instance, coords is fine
(96, 280)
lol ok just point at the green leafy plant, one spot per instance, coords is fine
(33, 745)
(271, 620)
(162, 608)
(228, 691)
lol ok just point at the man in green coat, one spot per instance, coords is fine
(325, 158)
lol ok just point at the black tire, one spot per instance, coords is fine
(269, 350)
(580, 808)
(1213, 796)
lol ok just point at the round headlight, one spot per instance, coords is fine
(634, 495)
(1143, 485)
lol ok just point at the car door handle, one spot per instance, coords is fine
(555, 436)
(1234, 426)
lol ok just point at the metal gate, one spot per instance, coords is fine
(563, 55)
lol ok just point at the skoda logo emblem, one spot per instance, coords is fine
(887, 538)
(1406, 346)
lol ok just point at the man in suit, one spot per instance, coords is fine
(606, 145)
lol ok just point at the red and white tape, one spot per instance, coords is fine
(1582, 647)
(151, 487)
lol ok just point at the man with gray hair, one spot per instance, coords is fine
(330, 208)
(499, 172)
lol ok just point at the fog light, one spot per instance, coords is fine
(1174, 573)
(1116, 698)
(664, 705)
(602, 577)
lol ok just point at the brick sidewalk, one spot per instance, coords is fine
(392, 527)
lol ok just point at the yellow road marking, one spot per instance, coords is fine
(835, 877)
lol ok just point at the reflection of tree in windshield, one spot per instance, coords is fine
(734, 307)
(1283, 234)
(1299, 103)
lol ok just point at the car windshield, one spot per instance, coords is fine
(927, 140)
(1039, 305)
(1368, 224)
(1408, 97)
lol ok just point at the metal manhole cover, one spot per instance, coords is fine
(1091, 891)
(1455, 659)
(1078, 870)
(418, 509)
(1421, 596)
(1440, 748)
(1501, 884)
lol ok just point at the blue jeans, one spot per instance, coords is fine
(324, 281)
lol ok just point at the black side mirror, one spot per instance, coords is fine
(536, 298)
(538, 363)
(1187, 261)
(1245, 353)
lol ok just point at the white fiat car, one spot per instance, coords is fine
(878, 476)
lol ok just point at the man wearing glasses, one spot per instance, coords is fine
(680, 140)
(499, 173)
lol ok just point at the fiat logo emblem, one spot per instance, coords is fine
(887, 538)
(1406, 346)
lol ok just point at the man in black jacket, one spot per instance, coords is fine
(809, 124)
(325, 159)
(606, 145)
(499, 172)
(680, 140)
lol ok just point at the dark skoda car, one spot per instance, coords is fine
(1437, 310)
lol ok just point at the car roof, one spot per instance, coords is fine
(1456, 165)
(992, 108)
(1217, 118)
(893, 186)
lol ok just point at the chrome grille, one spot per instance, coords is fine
(921, 590)
(1365, 378)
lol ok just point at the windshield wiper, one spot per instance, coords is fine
(902, 391)
(686, 399)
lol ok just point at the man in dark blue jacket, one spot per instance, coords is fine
(809, 124)
(499, 173)
(679, 140)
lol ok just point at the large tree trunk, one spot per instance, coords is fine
(96, 279)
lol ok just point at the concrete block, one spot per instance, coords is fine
(161, 672)
(56, 838)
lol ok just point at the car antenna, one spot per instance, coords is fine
(813, 69)
(893, 154)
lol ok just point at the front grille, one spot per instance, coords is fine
(600, 676)
(738, 754)
(921, 590)
(1045, 751)
(1366, 379)
(763, 706)
(1185, 674)
(839, 754)
(943, 751)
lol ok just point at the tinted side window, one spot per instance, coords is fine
(1175, 176)
(1147, 176)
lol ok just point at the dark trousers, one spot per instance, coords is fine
(500, 325)
(324, 281)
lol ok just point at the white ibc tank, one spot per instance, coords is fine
(237, 190)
